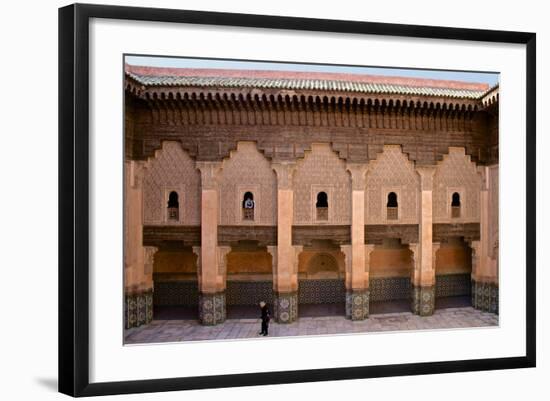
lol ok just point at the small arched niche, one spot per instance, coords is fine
(392, 206)
(173, 207)
(321, 206)
(455, 205)
(248, 206)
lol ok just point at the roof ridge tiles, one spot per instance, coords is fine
(299, 76)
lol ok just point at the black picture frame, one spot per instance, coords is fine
(74, 194)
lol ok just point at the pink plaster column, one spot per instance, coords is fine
(212, 283)
(135, 281)
(484, 268)
(149, 261)
(423, 292)
(357, 288)
(285, 279)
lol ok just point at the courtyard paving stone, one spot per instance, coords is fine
(191, 330)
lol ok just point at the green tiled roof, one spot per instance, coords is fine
(305, 84)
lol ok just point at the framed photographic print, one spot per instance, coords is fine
(249, 199)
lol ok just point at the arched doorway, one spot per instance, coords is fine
(321, 285)
(176, 294)
(390, 270)
(249, 279)
(453, 270)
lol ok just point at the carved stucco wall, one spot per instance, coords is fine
(322, 171)
(390, 262)
(321, 263)
(247, 170)
(249, 262)
(172, 169)
(175, 262)
(456, 173)
(391, 172)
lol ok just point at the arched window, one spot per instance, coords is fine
(322, 206)
(248, 206)
(392, 206)
(455, 205)
(173, 206)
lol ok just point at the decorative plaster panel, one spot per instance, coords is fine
(171, 169)
(456, 173)
(391, 172)
(247, 170)
(322, 170)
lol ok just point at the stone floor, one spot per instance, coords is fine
(191, 330)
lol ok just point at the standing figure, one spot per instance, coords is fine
(265, 318)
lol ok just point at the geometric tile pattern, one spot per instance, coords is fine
(321, 291)
(148, 307)
(451, 285)
(249, 292)
(357, 304)
(485, 296)
(390, 289)
(423, 300)
(285, 307)
(130, 309)
(176, 293)
(212, 308)
(138, 309)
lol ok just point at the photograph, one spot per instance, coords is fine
(270, 199)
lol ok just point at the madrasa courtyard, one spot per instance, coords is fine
(348, 202)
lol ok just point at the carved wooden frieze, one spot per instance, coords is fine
(158, 235)
(357, 131)
(304, 235)
(470, 231)
(263, 235)
(376, 233)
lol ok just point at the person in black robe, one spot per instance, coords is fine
(266, 316)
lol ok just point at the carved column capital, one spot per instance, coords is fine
(197, 251)
(415, 248)
(435, 248)
(358, 173)
(476, 247)
(368, 249)
(222, 259)
(272, 250)
(209, 173)
(284, 173)
(150, 252)
(347, 251)
(426, 174)
(297, 250)
(149, 258)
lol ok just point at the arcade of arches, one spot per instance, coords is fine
(316, 230)
(318, 255)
